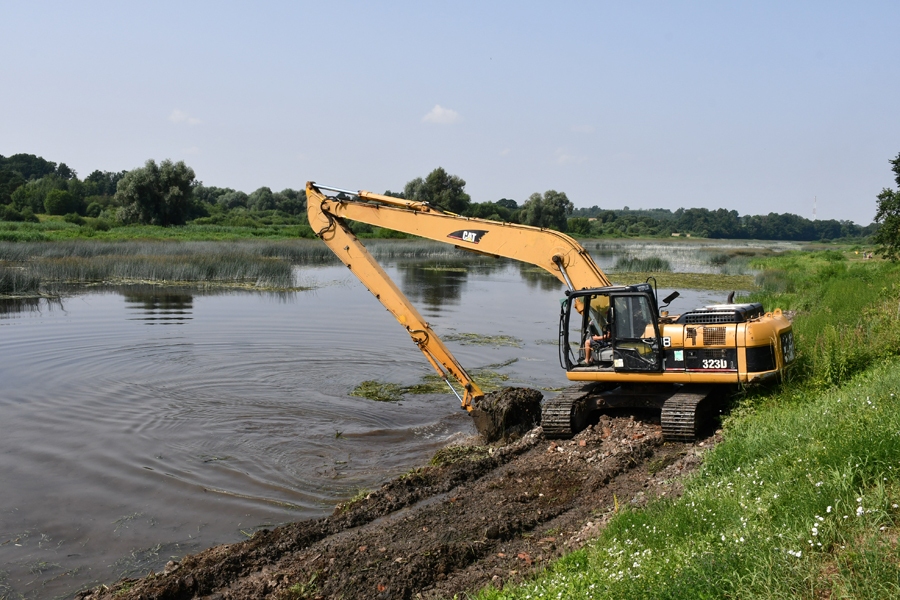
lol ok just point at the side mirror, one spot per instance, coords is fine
(668, 299)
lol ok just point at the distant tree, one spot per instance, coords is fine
(440, 190)
(102, 183)
(232, 199)
(10, 181)
(580, 226)
(507, 203)
(491, 210)
(261, 199)
(28, 166)
(156, 194)
(31, 195)
(293, 202)
(887, 238)
(209, 194)
(62, 202)
(64, 171)
(550, 210)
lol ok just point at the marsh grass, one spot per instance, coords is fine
(17, 281)
(32, 267)
(650, 264)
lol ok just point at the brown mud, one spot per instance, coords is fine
(477, 516)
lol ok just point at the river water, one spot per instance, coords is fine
(141, 424)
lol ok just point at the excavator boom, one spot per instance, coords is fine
(554, 251)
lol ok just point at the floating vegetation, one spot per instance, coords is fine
(378, 391)
(488, 379)
(477, 339)
(455, 454)
(430, 384)
(650, 264)
(446, 269)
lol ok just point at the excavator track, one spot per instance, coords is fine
(566, 414)
(679, 415)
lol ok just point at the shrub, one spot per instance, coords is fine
(74, 218)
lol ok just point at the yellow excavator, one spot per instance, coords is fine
(617, 342)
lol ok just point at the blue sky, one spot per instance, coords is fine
(753, 106)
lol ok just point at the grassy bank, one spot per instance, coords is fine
(801, 498)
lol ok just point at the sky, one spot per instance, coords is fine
(758, 107)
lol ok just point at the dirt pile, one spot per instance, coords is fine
(481, 515)
(507, 413)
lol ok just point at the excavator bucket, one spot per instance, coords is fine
(506, 413)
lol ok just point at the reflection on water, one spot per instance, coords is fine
(436, 283)
(9, 307)
(159, 307)
(539, 278)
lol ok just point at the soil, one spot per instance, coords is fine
(478, 515)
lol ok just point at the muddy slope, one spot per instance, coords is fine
(481, 516)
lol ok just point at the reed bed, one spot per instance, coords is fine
(15, 281)
(650, 264)
(263, 264)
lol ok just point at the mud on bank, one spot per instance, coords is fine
(477, 516)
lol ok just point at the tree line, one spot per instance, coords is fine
(168, 194)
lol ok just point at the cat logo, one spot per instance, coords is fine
(473, 236)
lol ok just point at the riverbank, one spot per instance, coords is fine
(475, 516)
(799, 499)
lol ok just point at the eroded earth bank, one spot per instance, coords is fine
(478, 515)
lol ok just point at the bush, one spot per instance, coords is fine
(93, 210)
(74, 218)
(61, 202)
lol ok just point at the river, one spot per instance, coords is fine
(141, 424)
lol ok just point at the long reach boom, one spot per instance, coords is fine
(551, 250)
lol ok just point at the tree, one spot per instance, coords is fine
(261, 199)
(156, 194)
(549, 211)
(232, 199)
(887, 238)
(62, 202)
(440, 190)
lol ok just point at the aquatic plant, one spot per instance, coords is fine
(650, 264)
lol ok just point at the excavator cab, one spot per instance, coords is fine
(610, 329)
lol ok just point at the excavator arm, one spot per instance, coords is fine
(551, 250)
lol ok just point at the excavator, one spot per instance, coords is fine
(618, 343)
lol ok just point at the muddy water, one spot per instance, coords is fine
(139, 425)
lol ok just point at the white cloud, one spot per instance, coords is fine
(564, 158)
(441, 116)
(179, 116)
(504, 152)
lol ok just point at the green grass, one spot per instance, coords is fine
(801, 498)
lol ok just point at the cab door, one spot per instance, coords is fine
(635, 334)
